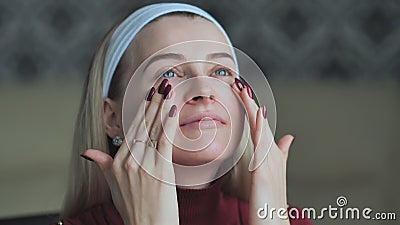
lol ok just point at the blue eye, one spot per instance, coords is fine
(169, 74)
(221, 72)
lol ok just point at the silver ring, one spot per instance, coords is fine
(153, 143)
(144, 142)
(150, 143)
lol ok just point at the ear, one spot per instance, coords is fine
(112, 118)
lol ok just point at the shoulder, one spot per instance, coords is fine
(102, 214)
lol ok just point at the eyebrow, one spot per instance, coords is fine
(176, 56)
(220, 55)
(180, 57)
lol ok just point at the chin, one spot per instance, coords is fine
(214, 152)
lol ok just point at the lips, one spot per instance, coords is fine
(203, 117)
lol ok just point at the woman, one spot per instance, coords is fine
(156, 127)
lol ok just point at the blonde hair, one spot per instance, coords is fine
(87, 186)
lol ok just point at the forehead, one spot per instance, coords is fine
(170, 30)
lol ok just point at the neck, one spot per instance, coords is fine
(195, 177)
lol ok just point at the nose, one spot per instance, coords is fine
(200, 91)
(202, 100)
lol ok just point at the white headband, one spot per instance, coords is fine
(128, 29)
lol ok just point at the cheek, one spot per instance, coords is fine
(228, 79)
(237, 122)
(178, 90)
(234, 108)
(238, 115)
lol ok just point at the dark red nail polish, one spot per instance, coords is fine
(239, 84)
(294, 137)
(172, 111)
(85, 157)
(150, 94)
(167, 90)
(264, 111)
(249, 92)
(163, 84)
(169, 94)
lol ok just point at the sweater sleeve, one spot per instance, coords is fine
(299, 221)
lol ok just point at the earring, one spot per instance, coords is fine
(117, 141)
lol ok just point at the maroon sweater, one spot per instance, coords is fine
(196, 207)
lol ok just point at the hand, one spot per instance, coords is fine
(139, 197)
(268, 165)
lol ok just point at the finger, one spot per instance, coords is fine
(156, 161)
(151, 111)
(256, 138)
(267, 139)
(153, 107)
(262, 139)
(258, 128)
(250, 106)
(105, 163)
(165, 147)
(159, 121)
(133, 127)
(284, 144)
(103, 160)
(141, 135)
(124, 151)
(238, 85)
(165, 143)
(246, 95)
(127, 146)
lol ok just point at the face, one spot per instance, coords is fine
(201, 73)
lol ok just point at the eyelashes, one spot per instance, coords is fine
(168, 74)
(218, 72)
(221, 72)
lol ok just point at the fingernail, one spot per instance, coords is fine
(172, 111)
(294, 137)
(264, 111)
(170, 94)
(150, 94)
(85, 157)
(239, 84)
(167, 90)
(161, 89)
(249, 91)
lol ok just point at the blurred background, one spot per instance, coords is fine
(334, 67)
